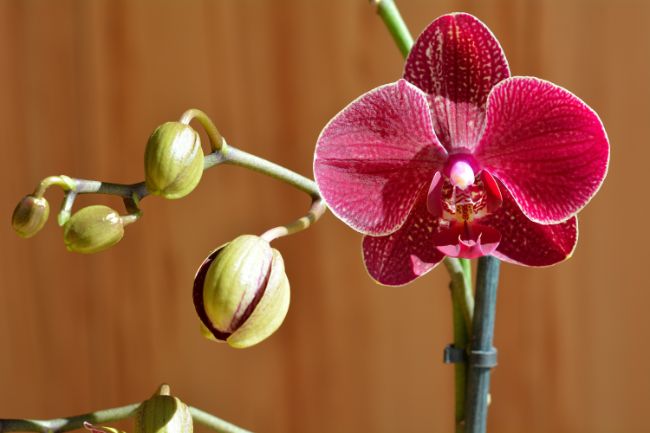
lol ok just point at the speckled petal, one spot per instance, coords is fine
(376, 155)
(405, 255)
(525, 242)
(457, 61)
(548, 148)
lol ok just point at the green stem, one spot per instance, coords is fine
(396, 26)
(238, 157)
(317, 209)
(234, 156)
(461, 281)
(459, 269)
(461, 292)
(59, 425)
(221, 153)
(461, 338)
(69, 423)
(216, 424)
(216, 139)
(467, 268)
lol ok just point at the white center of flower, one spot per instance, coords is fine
(461, 175)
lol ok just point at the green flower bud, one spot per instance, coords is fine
(163, 413)
(30, 215)
(173, 160)
(93, 229)
(241, 292)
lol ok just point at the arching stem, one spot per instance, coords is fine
(222, 153)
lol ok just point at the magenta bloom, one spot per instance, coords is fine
(460, 159)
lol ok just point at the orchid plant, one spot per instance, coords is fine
(456, 160)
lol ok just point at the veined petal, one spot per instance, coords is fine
(375, 156)
(405, 255)
(457, 60)
(525, 242)
(548, 147)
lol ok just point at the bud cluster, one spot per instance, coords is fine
(241, 291)
(173, 163)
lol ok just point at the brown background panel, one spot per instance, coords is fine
(84, 83)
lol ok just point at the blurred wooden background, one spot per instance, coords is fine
(83, 84)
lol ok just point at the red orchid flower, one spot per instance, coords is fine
(460, 159)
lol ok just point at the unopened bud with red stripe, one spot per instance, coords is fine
(241, 292)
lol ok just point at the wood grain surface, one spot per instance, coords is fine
(83, 84)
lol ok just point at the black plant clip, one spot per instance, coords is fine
(478, 358)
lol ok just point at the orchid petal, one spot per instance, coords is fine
(375, 156)
(548, 148)
(405, 255)
(434, 196)
(492, 190)
(457, 60)
(525, 242)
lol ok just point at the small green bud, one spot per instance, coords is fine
(30, 215)
(173, 160)
(93, 229)
(163, 413)
(241, 292)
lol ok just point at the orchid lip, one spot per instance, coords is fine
(467, 241)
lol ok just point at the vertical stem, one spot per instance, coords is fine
(461, 338)
(467, 300)
(474, 404)
(467, 267)
(462, 306)
(391, 17)
(461, 287)
(478, 381)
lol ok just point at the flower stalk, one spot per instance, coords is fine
(478, 380)
(60, 425)
(460, 286)
(396, 26)
(460, 272)
(472, 323)
(222, 153)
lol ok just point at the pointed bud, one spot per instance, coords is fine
(30, 215)
(163, 413)
(93, 229)
(173, 160)
(241, 292)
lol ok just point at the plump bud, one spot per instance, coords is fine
(241, 292)
(93, 229)
(30, 215)
(173, 160)
(163, 413)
